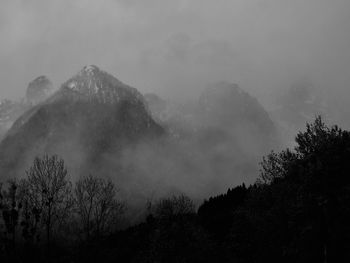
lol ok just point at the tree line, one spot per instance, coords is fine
(45, 206)
(298, 210)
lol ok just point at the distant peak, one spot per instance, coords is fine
(226, 85)
(40, 79)
(225, 89)
(39, 90)
(90, 69)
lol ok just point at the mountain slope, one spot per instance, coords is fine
(92, 115)
(222, 106)
(223, 135)
(227, 106)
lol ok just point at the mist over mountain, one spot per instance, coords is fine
(229, 107)
(300, 104)
(222, 106)
(96, 115)
(174, 131)
(37, 91)
(149, 146)
(9, 112)
(221, 137)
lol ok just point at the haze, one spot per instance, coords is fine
(175, 47)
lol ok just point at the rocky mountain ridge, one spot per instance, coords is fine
(96, 116)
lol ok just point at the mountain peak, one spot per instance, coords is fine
(92, 83)
(90, 70)
(38, 90)
(225, 87)
(92, 111)
(92, 80)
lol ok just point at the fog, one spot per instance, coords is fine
(175, 47)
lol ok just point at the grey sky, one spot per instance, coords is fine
(173, 47)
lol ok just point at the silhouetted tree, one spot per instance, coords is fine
(175, 235)
(275, 165)
(11, 206)
(30, 214)
(305, 193)
(216, 214)
(49, 192)
(297, 211)
(174, 206)
(97, 205)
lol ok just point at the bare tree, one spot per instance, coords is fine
(97, 206)
(30, 214)
(49, 191)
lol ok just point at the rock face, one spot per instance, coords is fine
(92, 115)
(38, 90)
(94, 85)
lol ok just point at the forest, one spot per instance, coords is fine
(298, 210)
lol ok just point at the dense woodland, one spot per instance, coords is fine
(297, 211)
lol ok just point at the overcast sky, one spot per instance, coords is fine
(175, 46)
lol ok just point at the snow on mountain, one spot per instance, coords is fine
(94, 84)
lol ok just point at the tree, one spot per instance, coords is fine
(97, 205)
(275, 166)
(309, 188)
(174, 235)
(216, 214)
(174, 206)
(30, 214)
(49, 192)
(11, 207)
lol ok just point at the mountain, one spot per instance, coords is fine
(39, 90)
(87, 121)
(149, 146)
(227, 106)
(9, 112)
(158, 106)
(222, 106)
(223, 134)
